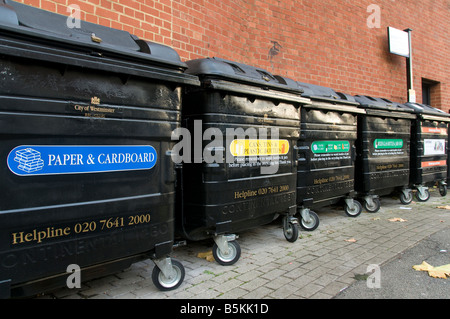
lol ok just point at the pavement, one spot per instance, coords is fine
(370, 256)
(399, 281)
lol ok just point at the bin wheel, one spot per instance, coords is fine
(234, 253)
(356, 211)
(373, 208)
(442, 190)
(165, 284)
(423, 198)
(406, 199)
(291, 232)
(312, 224)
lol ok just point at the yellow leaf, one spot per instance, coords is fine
(444, 207)
(351, 240)
(445, 268)
(435, 272)
(206, 255)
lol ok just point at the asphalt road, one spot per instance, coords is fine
(398, 280)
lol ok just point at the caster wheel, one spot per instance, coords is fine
(312, 224)
(163, 283)
(406, 200)
(234, 253)
(375, 207)
(291, 232)
(423, 197)
(356, 211)
(442, 190)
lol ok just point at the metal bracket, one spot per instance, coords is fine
(350, 203)
(304, 212)
(179, 243)
(289, 220)
(165, 264)
(369, 200)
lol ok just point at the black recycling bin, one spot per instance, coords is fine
(383, 151)
(87, 180)
(244, 124)
(429, 144)
(326, 153)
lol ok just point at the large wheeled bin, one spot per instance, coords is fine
(244, 123)
(383, 151)
(326, 153)
(429, 149)
(87, 180)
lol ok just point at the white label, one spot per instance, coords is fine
(434, 147)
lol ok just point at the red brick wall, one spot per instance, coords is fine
(317, 41)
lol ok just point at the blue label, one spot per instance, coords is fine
(57, 159)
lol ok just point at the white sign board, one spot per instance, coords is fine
(398, 42)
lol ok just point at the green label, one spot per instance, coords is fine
(387, 143)
(324, 147)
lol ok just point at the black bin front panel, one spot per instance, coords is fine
(326, 169)
(86, 175)
(234, 195)
(429, 158)
(384, 154)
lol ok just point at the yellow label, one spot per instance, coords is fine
(259, 147)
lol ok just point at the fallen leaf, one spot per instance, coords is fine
(424, 266)
(444, 207)
(397, 219)
(206, 255)
(376, 218)
(351, 240)
(435, 272)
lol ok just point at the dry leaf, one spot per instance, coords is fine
(206, 255)
(376, 218)
(397, 219)
(435, 272)
(444, 207)
(351, 240)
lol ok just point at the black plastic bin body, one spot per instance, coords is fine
(383, 150)
(429, 148)
(326, 148)
(232, 194)
(85, 128)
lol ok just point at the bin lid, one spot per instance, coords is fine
(428, 112)
(375, 105)
(34, 33)
(228, 75)
(324, 93)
